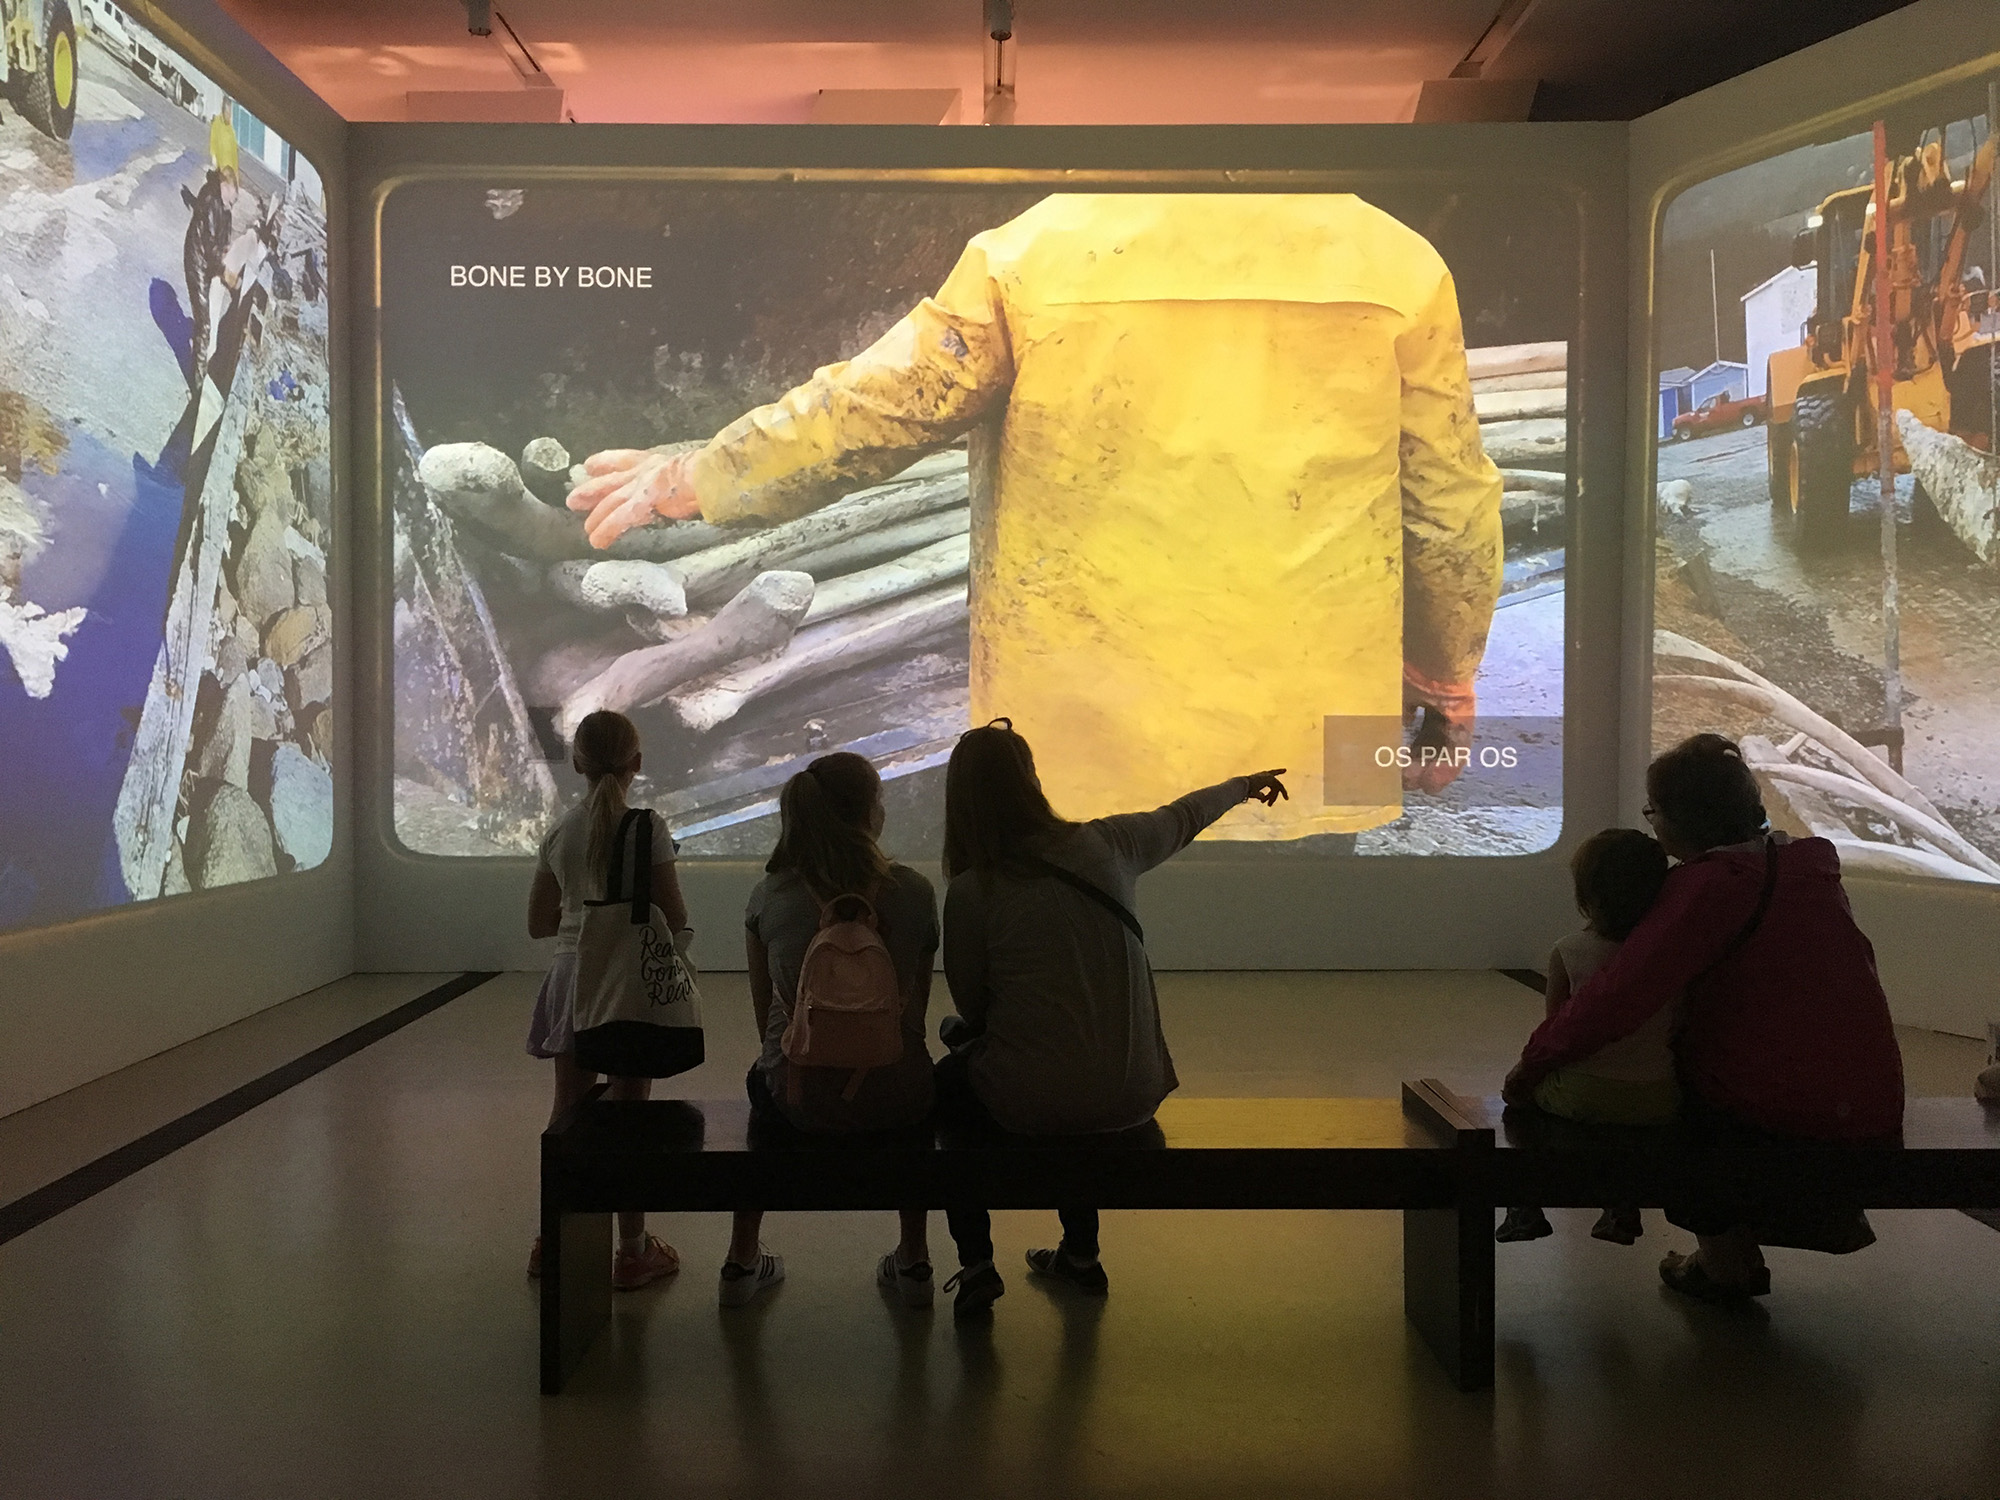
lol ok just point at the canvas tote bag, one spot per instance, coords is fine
(638, 1012)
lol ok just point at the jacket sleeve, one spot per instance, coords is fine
(1143, 840)
(1696, 917)
(922, 384)
(1451, 501)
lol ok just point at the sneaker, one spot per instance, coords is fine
(656, 1259)
(740, 1284)
(912, 1283)
(535, 1260)
(1621, 1226)
(1085, 1277)
(979, 1287)
(1523, 1224)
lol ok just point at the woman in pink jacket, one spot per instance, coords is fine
(1784, 1034)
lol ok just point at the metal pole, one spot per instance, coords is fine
(1885, 449)
(1992, 282)
(1714, 308)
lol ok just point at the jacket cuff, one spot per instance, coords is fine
(1455, 700)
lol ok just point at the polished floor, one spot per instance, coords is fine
(324, 1299)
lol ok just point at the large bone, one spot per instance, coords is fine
(718, 572)
(1861, 794)
(628, 584)
(925, 568)
(873, 547)
(758, 620)
(545, 470)
(1533, 380)
(1963, 483)
(824, 651)
(1508, 406)
(481, 487)
(1516, 359)
(1541, 481)
(1536, 443)
(1761, 693)
(1868, 858)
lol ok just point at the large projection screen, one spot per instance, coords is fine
(1131, 457)
(166, 500)
(1853, 654)
(1846, 640)
(1177, 481)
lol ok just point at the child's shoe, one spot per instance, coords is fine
(1523, 1224)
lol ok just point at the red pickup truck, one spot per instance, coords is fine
(1718, 412)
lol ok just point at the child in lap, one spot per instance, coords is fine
(1618, 874)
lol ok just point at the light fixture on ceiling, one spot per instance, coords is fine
(479, 17)
(999, 62)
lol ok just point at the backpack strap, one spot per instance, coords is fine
(1076, 882)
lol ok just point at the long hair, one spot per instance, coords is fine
(1704, 789)
(1618, 874)
(605, 745)
(823, 834)
(993, 800)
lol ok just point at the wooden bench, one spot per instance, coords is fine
(678, 1156)
(1437, 1157)
(1950, 1158)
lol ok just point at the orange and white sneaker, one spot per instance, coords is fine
(655, 1260)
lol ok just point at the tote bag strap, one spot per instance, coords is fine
(642, 865)
(1103, 898)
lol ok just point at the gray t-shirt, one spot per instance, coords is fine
(784, 915)
(1072, 1041)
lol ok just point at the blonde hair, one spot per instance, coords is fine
(605, 745)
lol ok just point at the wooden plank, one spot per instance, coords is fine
(1516, 359)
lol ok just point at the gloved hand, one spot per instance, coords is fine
(631, 487)
(1441, 745)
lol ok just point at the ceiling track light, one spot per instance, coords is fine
(999, 108)
(479, 17)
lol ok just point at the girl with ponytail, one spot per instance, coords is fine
(830, 816)
(570, 870)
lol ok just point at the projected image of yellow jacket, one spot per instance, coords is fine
(1227, 481)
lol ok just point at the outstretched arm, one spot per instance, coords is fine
(919, 386)
(1143, 840)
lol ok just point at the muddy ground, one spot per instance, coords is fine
(1813, 624)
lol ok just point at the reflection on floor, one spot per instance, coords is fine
(324, 1298)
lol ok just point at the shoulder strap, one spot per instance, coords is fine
(1103, 898)
(1749, 929)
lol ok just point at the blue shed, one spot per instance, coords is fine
(1674, 397)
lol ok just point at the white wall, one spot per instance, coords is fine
(1205, 910)
(1936, 941)
(83, 999)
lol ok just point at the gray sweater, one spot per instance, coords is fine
(1072, 1041)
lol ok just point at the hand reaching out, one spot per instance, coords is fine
(631, 487)
(1266, 788)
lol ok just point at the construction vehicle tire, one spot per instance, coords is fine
(1822, 470)
(1778, 465)
(47, 96)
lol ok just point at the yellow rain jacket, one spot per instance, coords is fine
(1227, 480)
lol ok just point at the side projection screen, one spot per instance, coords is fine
(166, 659)
(1183, 483)
(1847, 634)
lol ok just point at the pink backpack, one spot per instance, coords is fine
(848, 1012)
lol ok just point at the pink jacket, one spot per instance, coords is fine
(1791, 1032)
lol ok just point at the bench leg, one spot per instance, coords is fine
(1448, 1288)
(576, 1290)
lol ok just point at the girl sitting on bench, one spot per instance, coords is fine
(1618, 874)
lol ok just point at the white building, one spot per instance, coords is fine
(1774, 317)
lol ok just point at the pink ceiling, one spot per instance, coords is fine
(1079, 61)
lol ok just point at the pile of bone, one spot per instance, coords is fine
(1520, 393)
(738, 615)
